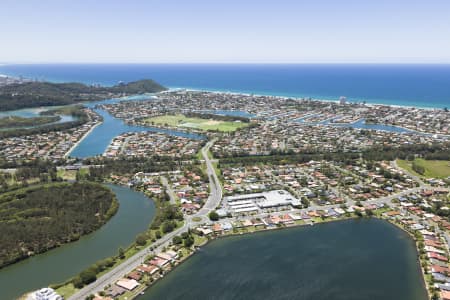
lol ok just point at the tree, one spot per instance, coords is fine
(213, 216)
(88, 276)
(188, 242)
(167, 226)
(43, 178)
(77, 282)
(418, 168)
(121, 253)
(141, 239)
(177, 240)
(369, 212)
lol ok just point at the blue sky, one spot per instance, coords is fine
(225, 31)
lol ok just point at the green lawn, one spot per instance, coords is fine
(433, 168)
(66, 290)
(195, 123)
(71, 174)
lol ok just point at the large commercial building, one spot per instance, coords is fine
(257, 201)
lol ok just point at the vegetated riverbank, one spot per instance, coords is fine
(136, 211)
(163, 291)
(36, 219)
(79, 114)
(16, 121)
(167, 218)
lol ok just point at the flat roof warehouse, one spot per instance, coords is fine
(256, 201)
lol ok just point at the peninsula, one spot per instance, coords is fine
(36, 93)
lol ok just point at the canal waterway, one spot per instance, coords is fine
(367, 259)
(96, 142)
(135, 213)
(360, 124)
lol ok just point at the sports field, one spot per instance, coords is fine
(195, 123)
(433, 168)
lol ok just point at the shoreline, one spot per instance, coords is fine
(418, 261)
(274, 94)
(81, 139)
(324, 99)
(263, 230)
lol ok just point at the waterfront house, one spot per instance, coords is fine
(115, 291)
(134, 275)
(128, 284)
(149, 269)
(437, 256)
(445, 295)
(159, 262)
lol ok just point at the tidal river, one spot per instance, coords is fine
(96, 142)
(367, 259)
(135, 213)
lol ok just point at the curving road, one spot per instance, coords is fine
(213, 201)
(130, 264)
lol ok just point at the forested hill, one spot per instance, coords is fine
(36, 219)
(34, 94)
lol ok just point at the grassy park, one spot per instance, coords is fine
(433, 168)
(195, 123)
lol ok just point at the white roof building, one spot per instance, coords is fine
(46, 294)
(251, 202)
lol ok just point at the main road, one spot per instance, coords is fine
(134, 261)
(213, 201)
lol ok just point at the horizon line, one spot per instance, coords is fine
(233, 63)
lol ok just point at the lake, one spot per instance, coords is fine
(366, 259)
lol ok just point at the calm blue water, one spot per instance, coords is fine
(32, 113)
(360, 124)
(411, 85)
(135, 213)
(98, 140)
(349, 260)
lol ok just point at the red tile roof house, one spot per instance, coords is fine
(164, 256)
(217, 227)
(150, 269)
(439, 269)
(286, 219)
(433, 243)
(436, 256)
(159, 262)
(275, 219)
(135, 275)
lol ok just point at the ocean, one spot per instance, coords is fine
(418, 85)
